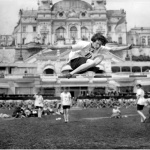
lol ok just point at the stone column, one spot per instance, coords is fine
(79, 32)
(90, 89)
(57, 91)
(11, 90)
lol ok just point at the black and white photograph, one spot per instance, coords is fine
(74, 74)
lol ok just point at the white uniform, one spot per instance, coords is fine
(65, 98)
(38, 101)
(141, 100)
(115, 111)
(82, 48)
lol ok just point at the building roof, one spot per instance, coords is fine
(30, 12)
(72, 4)
(111, 13)
(141, 28)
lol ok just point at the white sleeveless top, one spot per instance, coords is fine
(65, 98)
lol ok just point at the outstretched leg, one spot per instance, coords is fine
(143, 117)
(89, 64)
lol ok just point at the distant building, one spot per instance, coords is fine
(139, 36)
(6, 40)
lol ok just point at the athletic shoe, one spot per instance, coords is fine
(68, 75)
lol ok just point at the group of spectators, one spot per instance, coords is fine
(33, 110)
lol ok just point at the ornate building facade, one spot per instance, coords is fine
(68, 21)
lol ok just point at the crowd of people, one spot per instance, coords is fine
(84, 56)
(38, 107)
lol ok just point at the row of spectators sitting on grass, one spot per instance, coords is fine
(30, 110)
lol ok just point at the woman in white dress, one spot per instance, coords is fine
(66, 103)
(39, 103)
(141, 102)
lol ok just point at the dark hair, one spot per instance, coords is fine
(100, 37)
(65, 88)
(39, 93)
(139, 85)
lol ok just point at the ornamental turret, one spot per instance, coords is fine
(44, 4)
(98, 4)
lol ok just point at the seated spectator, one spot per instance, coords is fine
(18, 112)
(47, 110)
(116, 113)
(59, 109)
(4, 115)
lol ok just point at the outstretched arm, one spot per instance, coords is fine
(121, 48)
(53, 47)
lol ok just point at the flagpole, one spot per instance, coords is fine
(20, 58)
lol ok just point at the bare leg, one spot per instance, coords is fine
(65, 118)
(90, 63)
(143, 117)
(67, 115)
(39, 112)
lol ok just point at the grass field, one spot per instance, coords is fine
(86, 130)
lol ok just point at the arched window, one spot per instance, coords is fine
(125, 69)
(145, 68)
(136, 69)
(48, 71)
(143, 41)
(109, 39)
(120, 40)
(84, 33)
(149, 40)
(73, 32)
(132, 40)
(60, 33)
(115, 69)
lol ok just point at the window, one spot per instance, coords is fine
(136, 69)
(143, 41)
(34, 29)
(132, 40)
(120, 40)
(24, 29)
(137, 41)
(60, 14)
(60, 32)
(109, 39)
(23, 40)
(115, 69)
(126, 69)
(84, 33)
(73, 32)
(149, 40)
(109, 28)
(83, 14)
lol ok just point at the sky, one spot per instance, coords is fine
(137, 11)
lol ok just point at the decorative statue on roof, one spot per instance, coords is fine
(73, 14)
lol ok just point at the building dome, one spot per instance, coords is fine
(67, 5)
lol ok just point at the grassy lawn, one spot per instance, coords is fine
(79, 133)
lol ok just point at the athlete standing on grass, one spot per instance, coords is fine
(66, 103)
(141, 102)
(80, 57)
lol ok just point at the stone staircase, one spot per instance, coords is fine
(25, 54)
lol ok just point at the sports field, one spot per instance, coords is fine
(87, 129)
